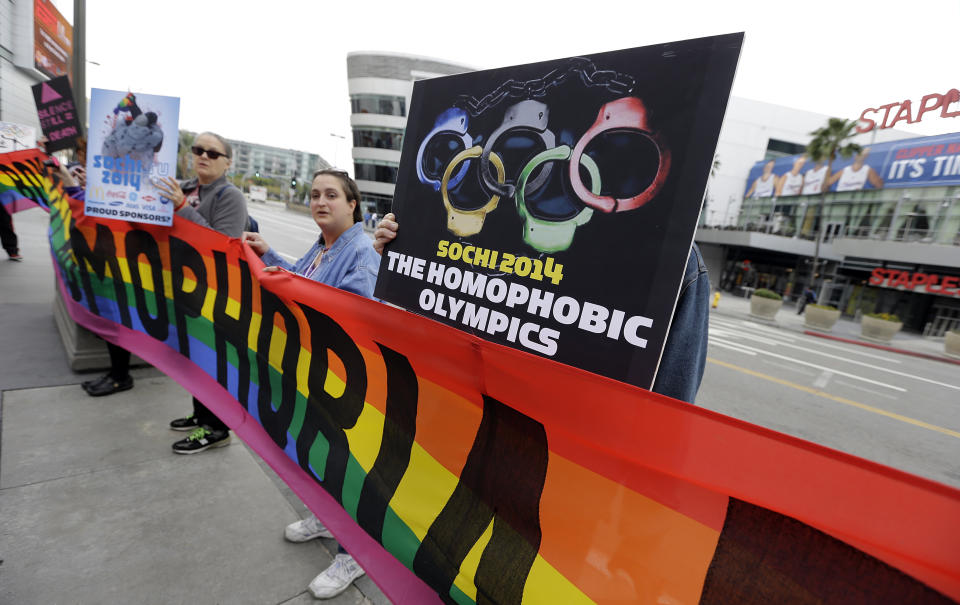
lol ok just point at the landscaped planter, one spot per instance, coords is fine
(878, 330)
(819, 317)
(951, 343)
(763, 307)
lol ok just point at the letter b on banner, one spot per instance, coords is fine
(327, 415)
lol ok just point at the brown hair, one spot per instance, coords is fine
(349, 186)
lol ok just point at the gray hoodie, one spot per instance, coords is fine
(222, 206)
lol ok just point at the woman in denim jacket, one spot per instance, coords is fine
(342, 257)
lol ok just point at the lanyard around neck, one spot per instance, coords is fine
(316, 263)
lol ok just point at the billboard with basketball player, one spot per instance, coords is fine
(919, 162)
(551, 207)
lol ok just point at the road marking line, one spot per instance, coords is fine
(726, 345)
(838, 399)
(819, 367)
(812, 339)
(871, 391)
(873, 367)
(823, 379)
(732, 334)
(784, 366)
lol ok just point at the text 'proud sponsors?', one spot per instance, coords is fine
(468, 297)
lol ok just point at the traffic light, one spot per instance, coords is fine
(293, 183)
(257, 173)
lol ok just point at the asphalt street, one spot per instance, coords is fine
(894, 409)
(288, 232)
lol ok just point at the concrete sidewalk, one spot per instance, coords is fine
(96, 508)
(845, 328)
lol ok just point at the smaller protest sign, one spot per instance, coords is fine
(16, 137)
(132, 144)
(57, 113)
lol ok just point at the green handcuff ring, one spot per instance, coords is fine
(553, 236)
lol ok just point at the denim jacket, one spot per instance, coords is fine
(351, 264)
(685, 354)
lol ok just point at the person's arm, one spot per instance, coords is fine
(685, 353)
(875, 179)
(778, 184)
(363, 277)
(752, 188)
(267, 254)
(830, 179)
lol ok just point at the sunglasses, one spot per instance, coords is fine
(211, 153)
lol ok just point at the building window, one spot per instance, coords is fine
(379, 138)
(372, 170)
(778, 149)
(379, 104)
(379, 203)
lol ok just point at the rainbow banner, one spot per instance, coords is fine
(460, 471)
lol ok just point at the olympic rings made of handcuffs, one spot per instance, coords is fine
(469, 222)
(627, 113)
(452, 121)
(553, 235)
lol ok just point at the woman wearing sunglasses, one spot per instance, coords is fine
(342, 257)
(212, 201)
(209, 199)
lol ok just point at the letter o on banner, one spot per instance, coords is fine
(566, 310)
(452, 278)
(427, 298)
(496, 290)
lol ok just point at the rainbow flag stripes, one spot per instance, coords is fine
(459, 471)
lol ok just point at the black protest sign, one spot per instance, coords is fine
(551, 207)
(57, 113)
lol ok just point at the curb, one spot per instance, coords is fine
(883, 347)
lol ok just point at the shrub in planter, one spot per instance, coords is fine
(765, 303)
(820, 317)
(879, 327)
(951, 343)
(764, 293)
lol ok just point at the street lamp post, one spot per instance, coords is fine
(335, 147)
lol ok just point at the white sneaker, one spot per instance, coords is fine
(336, 578)
(306, 529)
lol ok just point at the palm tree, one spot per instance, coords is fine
(828, 142)
(185, 141)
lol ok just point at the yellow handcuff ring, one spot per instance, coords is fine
(469, 222)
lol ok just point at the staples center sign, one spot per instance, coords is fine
(932, 283)
(874, 117)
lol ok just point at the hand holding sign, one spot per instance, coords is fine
(170, 189)
(386, 231)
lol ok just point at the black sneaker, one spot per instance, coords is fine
(188, 423)
(201, 439)
(107, 385)
(86, 384)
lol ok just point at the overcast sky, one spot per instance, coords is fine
(275, 72)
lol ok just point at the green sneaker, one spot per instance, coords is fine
(184, 424)
(200, 439)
